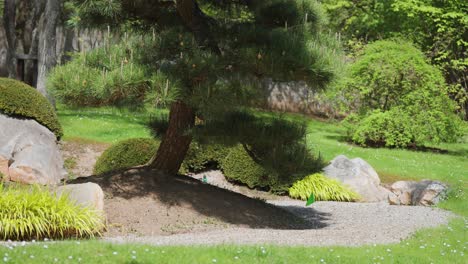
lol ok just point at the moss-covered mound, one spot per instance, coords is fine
(126, 154)
(20, 99)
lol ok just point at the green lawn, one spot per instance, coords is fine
(107, 125)
(441, 245)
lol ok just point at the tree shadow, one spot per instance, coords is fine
(208, 200)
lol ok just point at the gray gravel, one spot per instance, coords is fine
(347, 224)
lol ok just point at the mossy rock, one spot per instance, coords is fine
(126, 154)
(21, 100)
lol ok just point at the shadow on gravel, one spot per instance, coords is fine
(188, 195)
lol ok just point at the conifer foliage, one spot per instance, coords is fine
(214, 55)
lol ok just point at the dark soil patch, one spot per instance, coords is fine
(145, 202)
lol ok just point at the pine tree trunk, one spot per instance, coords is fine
(176, 141)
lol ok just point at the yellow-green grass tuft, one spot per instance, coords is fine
(32, 212)
(323, 188)
(20, 99)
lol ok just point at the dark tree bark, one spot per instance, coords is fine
(176, 141)
(9, 18)
(47, 44)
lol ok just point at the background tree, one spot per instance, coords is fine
(215, 55)
(400, 99)
(30, 28)
(438, 27)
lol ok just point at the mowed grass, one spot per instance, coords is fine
(107, 125)
(439, 245)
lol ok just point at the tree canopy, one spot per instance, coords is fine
(216, 54)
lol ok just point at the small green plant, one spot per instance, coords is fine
(20, 99)
(126, 154)
(32, 212)
(323, 188)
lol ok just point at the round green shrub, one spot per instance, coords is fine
(323, 188)
(126, 154)
(20, 99)
(399, 98)
(239, 166)
(32, 212)
(201, 156)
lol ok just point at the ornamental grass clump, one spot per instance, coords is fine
(323, 188)
(32, 212)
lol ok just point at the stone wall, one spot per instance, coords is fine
(297, 97)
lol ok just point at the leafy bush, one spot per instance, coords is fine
(33, 212)
(265, 151)
(400, 99)
(201, 157)
(323, 188)
(238, 166)
(126, 154)
(104, 76)
(20, 99)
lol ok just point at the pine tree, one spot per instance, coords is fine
(217, 53)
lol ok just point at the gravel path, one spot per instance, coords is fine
(346, 224)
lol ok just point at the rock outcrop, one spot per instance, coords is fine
(424, 192)
(359, 176)
(84, 194)
(29, 152)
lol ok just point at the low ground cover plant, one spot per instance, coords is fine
(323, 189)
(32, 212)
(21, 100)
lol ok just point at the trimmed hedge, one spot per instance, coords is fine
(20, 99)
(235, 162)
(32, 212)
(200, 156)
(126, 154)
(238, 166)
(323, 188)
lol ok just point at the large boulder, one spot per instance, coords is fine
(84, 194)
(29, 152)
(359, 176)
(425, 192)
